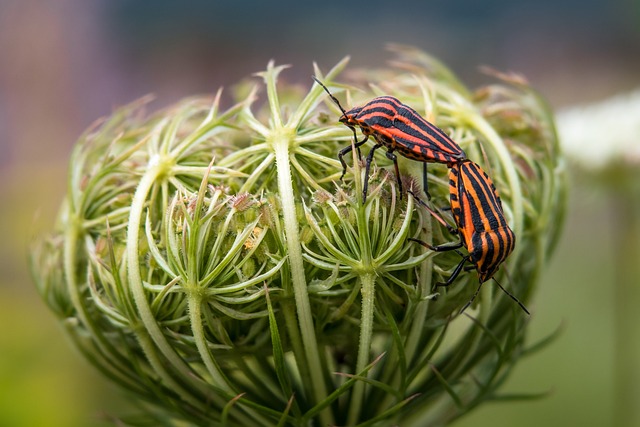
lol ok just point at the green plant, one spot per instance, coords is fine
(210, 262)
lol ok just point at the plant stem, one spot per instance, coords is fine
(367, 291)
(151, 327)
(280, 143)
(417, 326)
(195, 313)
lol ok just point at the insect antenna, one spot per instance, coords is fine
(355, 143)
(333, 98)
(503, 290)
(512, 297)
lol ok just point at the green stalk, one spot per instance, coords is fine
(155, 170)
(367, 290)
(195, 313)
(73, 234)
(280, 144)
(416, 333)
(417, 326)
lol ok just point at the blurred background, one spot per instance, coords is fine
(65, 63)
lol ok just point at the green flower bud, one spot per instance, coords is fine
(212, 262)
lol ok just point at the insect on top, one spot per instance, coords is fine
(397, 127)
(408, 133)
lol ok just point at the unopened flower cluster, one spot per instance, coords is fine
(212, 263)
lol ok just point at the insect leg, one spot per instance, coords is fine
(348, 149)
(455, 274)
(366, 171)
(442, 248)
(358, 144)
(425, 183)
(435, 214)
(511, 296)
(394, 159)
(474, 297)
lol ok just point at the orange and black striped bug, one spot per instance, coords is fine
(481, 225)
(398, 128)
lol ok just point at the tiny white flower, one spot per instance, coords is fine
(600, 134)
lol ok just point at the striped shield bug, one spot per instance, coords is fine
(481, 225)
(398, 128)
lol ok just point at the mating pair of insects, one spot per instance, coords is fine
(475, 204)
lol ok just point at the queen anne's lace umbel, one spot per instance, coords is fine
(211, 262)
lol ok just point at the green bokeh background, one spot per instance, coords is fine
(63, 67)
